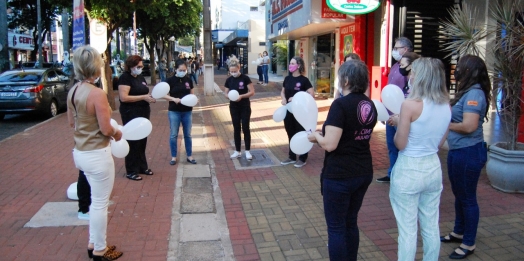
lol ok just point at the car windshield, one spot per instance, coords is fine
(21, 77)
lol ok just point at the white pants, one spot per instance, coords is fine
(99, 168)
(416, 185)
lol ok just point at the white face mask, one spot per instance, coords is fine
(396, 55)
(136, 71)
(235, 74)
(181, 74)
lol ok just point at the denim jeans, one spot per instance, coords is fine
(175, 118)
(260, 73)
(464, 166)
(240, 116)
(392, 149)
(194, 77)
(162, 75)
(99, 168)
(416, 185)
(342, 201)
(265, 68)
(83, 190)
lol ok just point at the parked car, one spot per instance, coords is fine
(146, 71)
(117, 71)
(33, 90)
(31, 65)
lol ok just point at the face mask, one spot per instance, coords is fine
(181, 74)
(396, 55)
(265, 54)
(293, 68)
(235, 74)
(136, 71)
(403, 71)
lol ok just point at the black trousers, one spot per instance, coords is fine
(83, 190)
(136, 161)
(240, 115)
(293, 127)
(259, 72)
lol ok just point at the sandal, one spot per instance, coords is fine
(456, 255)
(450, 238)
(133, 176)
(90, 251)
(109, 255)
(148, 172)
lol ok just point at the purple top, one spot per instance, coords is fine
(396, 78)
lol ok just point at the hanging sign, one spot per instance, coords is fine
(353, 7)
(78, 24)
(98, 35)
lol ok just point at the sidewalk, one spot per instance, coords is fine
(273, 213)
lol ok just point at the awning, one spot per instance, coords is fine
(236, 36)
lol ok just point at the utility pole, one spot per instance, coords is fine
(65, 30)
(209, 73)
(39, 28)
(4, 47)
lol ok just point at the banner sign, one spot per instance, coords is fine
(20, 41)
(184, 49)
(329, 13)
(348, 40)
(353, 7)
(78, 24)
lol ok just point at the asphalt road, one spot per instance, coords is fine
(15, 123)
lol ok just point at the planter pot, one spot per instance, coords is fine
(505, 168)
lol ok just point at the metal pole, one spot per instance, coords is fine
(39, 28)
(4, 49)
(65, 30)
(209, 77)
(134, 33)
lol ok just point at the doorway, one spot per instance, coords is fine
(322, 75)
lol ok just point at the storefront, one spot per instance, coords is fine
(20, 46)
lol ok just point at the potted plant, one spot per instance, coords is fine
(505, 159)
(281, 59)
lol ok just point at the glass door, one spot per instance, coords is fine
(323, 65)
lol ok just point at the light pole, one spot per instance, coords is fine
(209, 74)
(39, 28)
(4, 52)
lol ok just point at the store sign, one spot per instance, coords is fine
(283, 8)
(98, 35)
(353, 7)
(329, 13)
(349, 39)
(20, 41)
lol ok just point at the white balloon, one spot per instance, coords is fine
(160, 90)
(120, 148)
(392, 97)
(305, 110)
(383, 114)
(71, 192)
(233, 95)
(114, 123)
(189, 100)
(289, 107)
(137, 129)
(280, 114)
(299, 143)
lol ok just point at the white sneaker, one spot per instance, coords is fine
(248, 156)
(235, 155)
(83, 216)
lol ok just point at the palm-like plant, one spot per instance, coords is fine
(508, 54)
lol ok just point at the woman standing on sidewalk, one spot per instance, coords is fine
(265, 67)
(180, 85)
(260, 72)
(348, 168)
(296, 82)
(467, 150)
(88, 112)
(416, 179)
(240, 109)
(134, 103)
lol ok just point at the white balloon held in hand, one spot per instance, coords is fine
(137, 129)
(160, 90)
(189, 100)
(233, 95)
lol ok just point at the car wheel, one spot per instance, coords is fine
(52, 110)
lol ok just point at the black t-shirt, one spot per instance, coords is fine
(239, 84)
(178, 88)
(356, 115)
(138, 86)
(292, 85)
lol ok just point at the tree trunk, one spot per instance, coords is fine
(152, 65)
(107, 78)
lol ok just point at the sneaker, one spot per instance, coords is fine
(287, 162)
(248, 156)
(83, 216)
(385, 179)
(300, 164)
(235, 155)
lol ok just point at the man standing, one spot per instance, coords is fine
(172, 66)
(194, 71)
(162, 70)
(402, 45)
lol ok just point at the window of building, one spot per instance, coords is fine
(253, 8)
(262, 43)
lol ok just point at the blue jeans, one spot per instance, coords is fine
(175, 118)
(342, 201)
(194, 77)
(464, 166)
(162, 75)
(259, 72)
(264, 72)
(392, 149)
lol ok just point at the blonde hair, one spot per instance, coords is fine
(429, 81)
(234, 62)
(87, 62)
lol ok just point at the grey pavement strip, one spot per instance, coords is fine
(57, 214)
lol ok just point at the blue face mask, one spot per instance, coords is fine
(181, 74)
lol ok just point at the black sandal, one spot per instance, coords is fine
(148, 172)
(133, 176)
(456, 255)
(451, 238)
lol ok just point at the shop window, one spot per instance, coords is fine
(253, 8)
(261, 43)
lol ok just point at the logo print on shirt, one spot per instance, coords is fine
(297, 87)
(364, 109)
(473, 103)
(241, 85)
(187, 86)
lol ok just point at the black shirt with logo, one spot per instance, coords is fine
(138, 86)
(178, 88)
(292, 85)
(356, 115)
(239, 84)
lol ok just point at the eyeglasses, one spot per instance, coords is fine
(396, 48)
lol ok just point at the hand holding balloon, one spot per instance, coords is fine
(393, 120)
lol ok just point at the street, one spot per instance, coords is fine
(15, 123)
